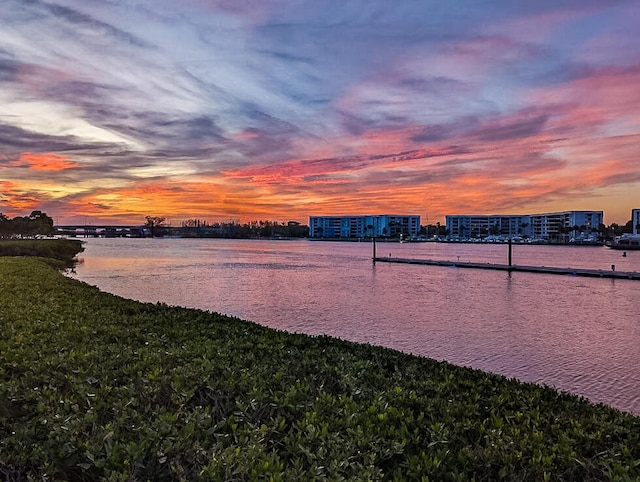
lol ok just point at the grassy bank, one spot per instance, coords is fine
(95, 386)
(59, 253)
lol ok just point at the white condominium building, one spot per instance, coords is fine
(381, 225)
(561, 226)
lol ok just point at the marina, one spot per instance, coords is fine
(510, 267)
(630, 242)
(593, 273)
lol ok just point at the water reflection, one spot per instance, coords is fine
(577, 334)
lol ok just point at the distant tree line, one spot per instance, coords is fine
(21, 227)
(249, 230)
(199, 228)
(436, 229)
(614, 229)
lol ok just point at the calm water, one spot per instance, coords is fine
(580, 335)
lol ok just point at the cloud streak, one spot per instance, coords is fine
(287, 109)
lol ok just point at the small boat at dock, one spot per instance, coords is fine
(627, 242)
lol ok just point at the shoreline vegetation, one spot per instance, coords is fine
(58, 253)
(95, 386)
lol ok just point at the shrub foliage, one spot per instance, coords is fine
(59, 253)
(93, 386)
(37, 223)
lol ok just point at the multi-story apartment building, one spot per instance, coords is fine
(561, 226)
(382, 225)
(635, 220)
(481, 226)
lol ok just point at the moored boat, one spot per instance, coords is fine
(627, 242)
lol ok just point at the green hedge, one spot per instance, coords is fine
(60, 253)
(93, 386)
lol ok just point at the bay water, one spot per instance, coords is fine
(580, 335)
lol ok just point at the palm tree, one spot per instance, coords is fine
(369, 231)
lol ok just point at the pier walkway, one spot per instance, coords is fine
(593, 273)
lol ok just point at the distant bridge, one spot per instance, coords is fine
(107, 231)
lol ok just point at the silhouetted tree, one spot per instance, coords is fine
(37, 223)
(154, 222)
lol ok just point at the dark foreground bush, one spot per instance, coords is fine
(93, 386)
(63, 251)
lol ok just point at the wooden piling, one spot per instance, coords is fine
(374, 249)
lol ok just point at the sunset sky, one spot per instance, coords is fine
(111, 110)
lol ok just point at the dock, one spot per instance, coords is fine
(592, 273)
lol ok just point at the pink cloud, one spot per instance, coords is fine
(602, 97)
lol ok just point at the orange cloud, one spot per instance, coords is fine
(46, 161)
(211, 199)
(13, 201)
(165, 198)
(6, 186)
